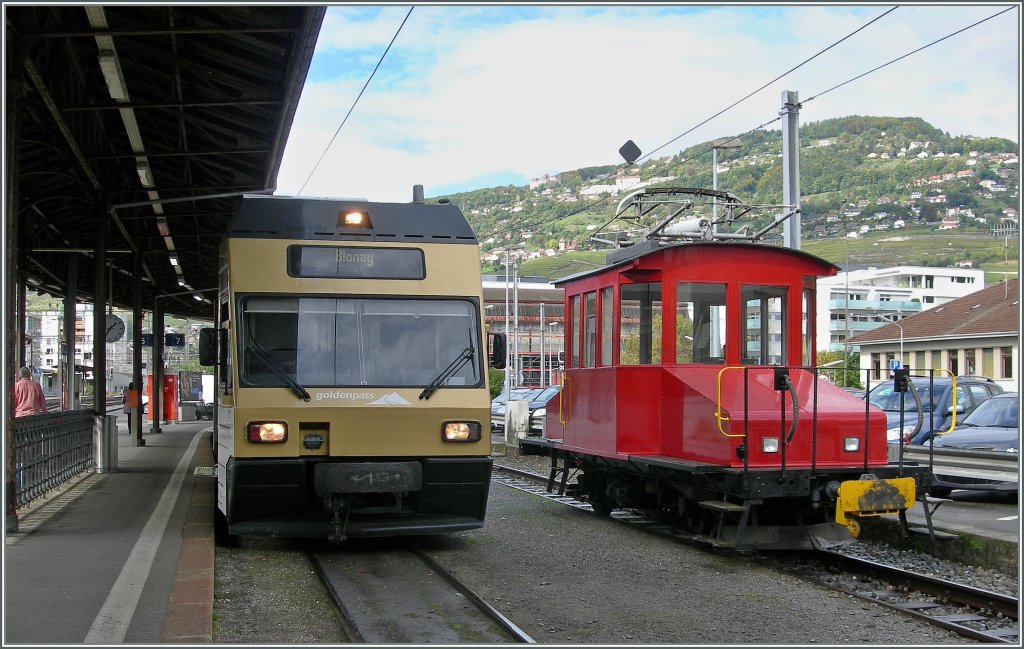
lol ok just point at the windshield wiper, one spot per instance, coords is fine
(264, 356)
(464, 357)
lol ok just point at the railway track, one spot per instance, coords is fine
(398, 594)
(973, 613)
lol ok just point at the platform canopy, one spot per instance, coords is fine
(145, 122)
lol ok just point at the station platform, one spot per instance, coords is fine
(121, 557)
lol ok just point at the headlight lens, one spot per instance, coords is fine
(267, 432)
(460, 431)
(770, 445)
(851, 444)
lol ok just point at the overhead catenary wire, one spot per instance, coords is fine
(365, 85)
(721, 112)
(520, 225)
(784, 74)
(900, 58)
(811, 98)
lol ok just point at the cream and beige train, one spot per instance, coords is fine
(351, 362)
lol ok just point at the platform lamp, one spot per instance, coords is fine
(110, 66)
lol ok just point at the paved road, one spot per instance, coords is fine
(988, 513)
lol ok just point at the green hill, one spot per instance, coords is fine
(891, 180)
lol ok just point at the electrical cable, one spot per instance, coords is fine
(328, 147)
(794, 68)
(815, 96)
(899, 58)
(727, 108)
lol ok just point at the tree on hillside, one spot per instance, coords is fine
(929, 213)
(844, 374)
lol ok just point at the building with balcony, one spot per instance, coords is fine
(858, 301)
(978, 335)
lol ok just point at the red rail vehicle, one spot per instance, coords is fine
(690, 389)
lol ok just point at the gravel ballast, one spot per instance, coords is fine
(567, 576)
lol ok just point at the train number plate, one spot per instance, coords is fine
(368, 477)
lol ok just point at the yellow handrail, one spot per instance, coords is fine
(718, 412)
(566, 383)
(952, 397)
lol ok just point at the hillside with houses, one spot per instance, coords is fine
(862, 178)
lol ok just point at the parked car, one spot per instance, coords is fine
(537, 398)
(971, 391)
(498, 407)
(538, 409)
(204, 410)
(857, 392)
(993, 427)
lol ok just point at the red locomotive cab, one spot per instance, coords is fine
(702, 352)
(689, 389)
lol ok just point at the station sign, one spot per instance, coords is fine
(170, 340)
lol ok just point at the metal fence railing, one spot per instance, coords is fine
(50, 449)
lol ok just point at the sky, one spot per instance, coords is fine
(474, 96)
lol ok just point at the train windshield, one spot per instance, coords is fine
(343, 342)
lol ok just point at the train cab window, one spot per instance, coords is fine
(700, 323)
(590, 324)
(639, 324)
(764, 325)
(574, 331)
(339, 342)
(607, 319)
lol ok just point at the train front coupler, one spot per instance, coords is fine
(868, 497)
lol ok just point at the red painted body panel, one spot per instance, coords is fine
(670, 409)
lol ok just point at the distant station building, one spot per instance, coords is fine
(858, 301)
(536, 336)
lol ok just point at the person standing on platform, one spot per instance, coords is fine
(28, 395)
(131, 400)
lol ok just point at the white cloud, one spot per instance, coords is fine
(464, 94)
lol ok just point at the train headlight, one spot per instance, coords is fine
(460, 431)
(770, 445)
(354, 219)
(851, 444)
(267, 432)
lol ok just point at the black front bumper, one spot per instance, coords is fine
(278, 497)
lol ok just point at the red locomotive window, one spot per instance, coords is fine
(590, 324)
(764, 325)
(640, 324)
(607, 319)
(574, 328)
(700, 323)
(807, 328)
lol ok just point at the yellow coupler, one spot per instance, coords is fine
(870, 496)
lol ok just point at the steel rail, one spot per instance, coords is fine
(350, 631)
(494, 614)
(959, 593)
